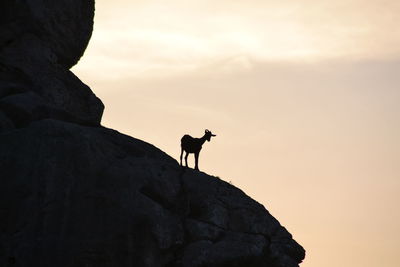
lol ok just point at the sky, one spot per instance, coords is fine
(303, 96)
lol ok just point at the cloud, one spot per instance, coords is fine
(152, 39)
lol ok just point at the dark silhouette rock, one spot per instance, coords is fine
(62, 27)
(76, 194)
(39, 42)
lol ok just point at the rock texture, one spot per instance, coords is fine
(39, 41)
(76, 194)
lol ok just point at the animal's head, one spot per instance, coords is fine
(208, 135)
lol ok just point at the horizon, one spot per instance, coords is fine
(303, 97)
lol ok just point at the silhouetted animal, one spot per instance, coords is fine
(193, 145)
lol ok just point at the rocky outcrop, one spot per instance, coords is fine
(61, 28)
(39, 42)
(76, 194)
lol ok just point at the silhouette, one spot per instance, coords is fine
(193, 145)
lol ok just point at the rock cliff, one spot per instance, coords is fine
(76, 194)
(39, 41)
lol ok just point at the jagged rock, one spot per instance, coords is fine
(89, 196)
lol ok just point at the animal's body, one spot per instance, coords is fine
(193, 145)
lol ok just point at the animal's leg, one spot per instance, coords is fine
(181, 156)
(186, 156)
(196, 159)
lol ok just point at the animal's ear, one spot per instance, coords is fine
(213, 135)
(206, 131)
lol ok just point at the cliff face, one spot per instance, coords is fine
(39, 41)
(76, 194)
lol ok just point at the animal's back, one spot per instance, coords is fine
(190, 144)
(186, 139)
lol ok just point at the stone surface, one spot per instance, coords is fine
(75, 195)
(39, 41)
(63, 26)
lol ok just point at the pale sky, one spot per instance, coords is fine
(303, 96)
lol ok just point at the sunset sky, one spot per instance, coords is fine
(304, 97)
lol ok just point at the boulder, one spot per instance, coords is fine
(75, 195)
(63, 26)
(39, 42)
